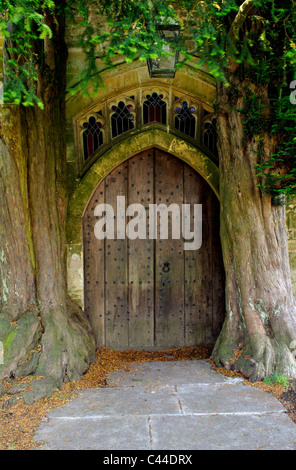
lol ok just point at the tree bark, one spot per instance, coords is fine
(43, 332)
(261, 316)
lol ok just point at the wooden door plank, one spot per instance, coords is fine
(116, 281)
(198, 266)
(141, 255)
(94, 269)
(169, 259)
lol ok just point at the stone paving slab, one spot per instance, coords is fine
(195, 432)
(226, 398)
(186, 406)
(116, 433)
(120, 401)
(156, 373)
(224, 432)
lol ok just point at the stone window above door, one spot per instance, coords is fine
(92, 137)
(103, 124)
(154, 109)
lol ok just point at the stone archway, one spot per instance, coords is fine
(122, 151)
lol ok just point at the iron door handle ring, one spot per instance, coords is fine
(166, 267)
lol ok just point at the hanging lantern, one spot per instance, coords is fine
(164, 66)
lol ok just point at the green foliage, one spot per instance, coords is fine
(258, 36)
(277, 380)
(278, 173)
(127, 32)
(22, 24)
(128, 29)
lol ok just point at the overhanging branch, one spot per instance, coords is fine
(243, 12)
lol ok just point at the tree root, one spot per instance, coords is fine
(40, 389)
(260, 357)
(56, 344)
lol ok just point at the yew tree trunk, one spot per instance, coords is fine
(260, 309)
(42, 331)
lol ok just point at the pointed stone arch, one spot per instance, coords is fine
(120, 152)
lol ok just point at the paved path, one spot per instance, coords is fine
(181, 405)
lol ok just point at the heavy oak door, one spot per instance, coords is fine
(142, 289)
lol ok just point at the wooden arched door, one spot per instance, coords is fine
(145, 292)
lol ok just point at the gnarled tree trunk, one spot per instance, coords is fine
(261, 316)
(43, 332)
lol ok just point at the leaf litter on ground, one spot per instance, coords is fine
(19, 422)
